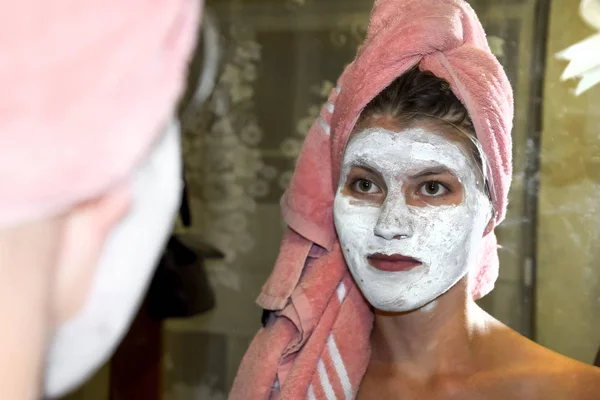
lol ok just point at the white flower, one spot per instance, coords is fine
(229, 142)
(303, 125)
(323, 89)
(248, 206)
(231, 75)
(584, 57)
(220, 102)
(258, 188)
(284, 179)
(223, 126)
(221, 240)
(236, 222)
(245, 243)
(240, 93)
(314, 111)
(212, 192)
(251, 134)
(225, 275)
(235, 191)
(247, 163)
(248, 50)
(291, 147)
(269, 172)
(496, 45)
(249, 72)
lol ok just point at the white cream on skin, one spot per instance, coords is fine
(429, 306)
(82, 344)
(444, 238)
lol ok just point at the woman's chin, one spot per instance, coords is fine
(399, 306)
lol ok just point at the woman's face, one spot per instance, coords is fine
(410, 213)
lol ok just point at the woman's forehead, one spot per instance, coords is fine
(389, 149)
(431, 131)
(432, 125)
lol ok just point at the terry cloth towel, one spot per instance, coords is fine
(87, 87)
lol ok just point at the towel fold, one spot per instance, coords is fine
(317, 344)
(302, 345)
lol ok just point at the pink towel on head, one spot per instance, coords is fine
(317, 344)
(87, 85)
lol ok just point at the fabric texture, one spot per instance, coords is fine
(88, 86)
(316, 345)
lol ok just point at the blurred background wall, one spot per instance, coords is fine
(568, 231)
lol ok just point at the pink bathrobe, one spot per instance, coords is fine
(316, 345)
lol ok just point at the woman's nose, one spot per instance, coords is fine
(394, 221)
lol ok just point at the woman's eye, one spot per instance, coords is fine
(365, 186)
(433, 189)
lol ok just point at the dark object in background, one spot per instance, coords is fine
(267, 317)
(136, 367)
(597, 362)
(184, 209)
(180, 287)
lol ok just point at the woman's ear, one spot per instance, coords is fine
(85, 231)
(491, 223)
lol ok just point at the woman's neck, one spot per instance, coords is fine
(436, 339)
(27, 264)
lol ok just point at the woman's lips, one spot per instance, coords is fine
(393, 262)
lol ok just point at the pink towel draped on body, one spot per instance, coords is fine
(316, 345)
(87, 86)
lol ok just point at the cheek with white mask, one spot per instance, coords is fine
(402, 255)
(125, 268)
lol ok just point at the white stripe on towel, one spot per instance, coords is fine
(275, 385)
(330, 107)
(340, 368)
(325, 382)
(311, 393)
(341, 291)
(324, 126)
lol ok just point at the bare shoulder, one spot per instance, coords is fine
(571, 377)
(550, 375)
(539, 372)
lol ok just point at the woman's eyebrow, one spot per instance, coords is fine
(428, 171)
(433, 171)
(364, 165)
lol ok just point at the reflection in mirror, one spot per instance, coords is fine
(278, 65)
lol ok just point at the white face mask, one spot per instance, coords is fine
(127, 264)
(443, 238)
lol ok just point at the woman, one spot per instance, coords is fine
(412, 206)
(391, 213)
